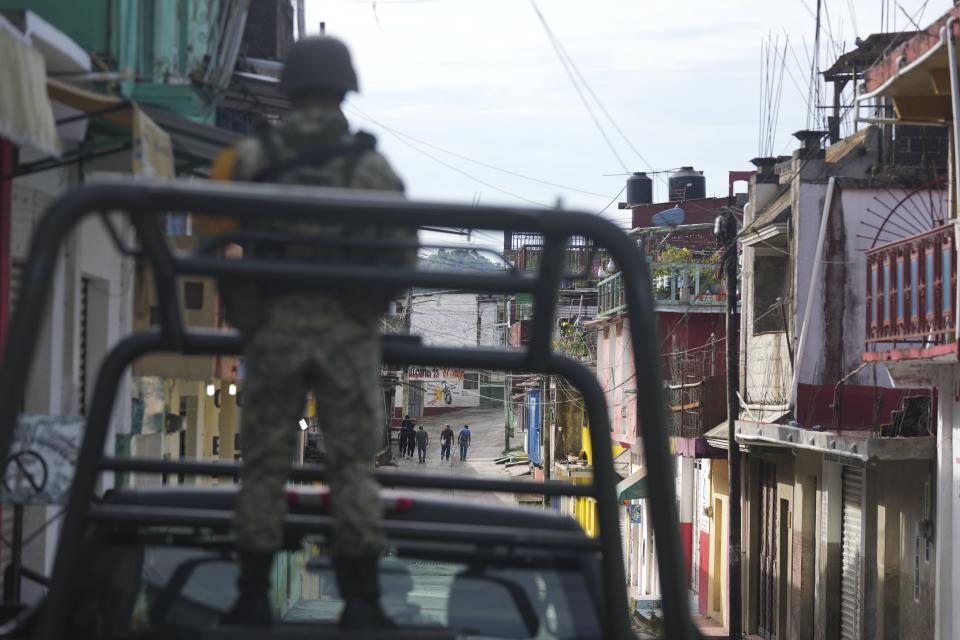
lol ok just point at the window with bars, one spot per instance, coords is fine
(769, 285)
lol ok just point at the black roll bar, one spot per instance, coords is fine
(144, 202)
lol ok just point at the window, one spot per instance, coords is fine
(471, 381)
(193, 295)
(216, 445)
(769, 283)
(178, 224)
(154, 315)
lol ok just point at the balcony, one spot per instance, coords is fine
(674, 283)
(912, 296)
(577, 256)
(694, 409)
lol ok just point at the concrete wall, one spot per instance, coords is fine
(717, 598)
(906, 557)
(947, 570)
(615, 372)
(434, 381)
(452, 319)
(60, 382)
(837, 334)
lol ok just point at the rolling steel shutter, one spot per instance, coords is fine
(851, 605)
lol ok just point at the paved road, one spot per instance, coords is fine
(430, 580)
(487, 426)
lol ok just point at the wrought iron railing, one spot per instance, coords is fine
(674, 283)
(912, 289)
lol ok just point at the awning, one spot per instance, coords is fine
(26, 115)
(915, 76)
(110, 108)
(718, 436)
(851, 445)
(774, 214)
(634, 487)
(199, 142)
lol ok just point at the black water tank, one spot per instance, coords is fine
(687, 184)
(639, 189)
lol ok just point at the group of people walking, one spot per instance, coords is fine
(413, 437)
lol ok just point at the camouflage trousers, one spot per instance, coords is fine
(338, 357)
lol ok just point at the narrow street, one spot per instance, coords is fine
(486, 424)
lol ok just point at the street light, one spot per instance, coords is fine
(211, 389)
(232, 389)
(303, 424)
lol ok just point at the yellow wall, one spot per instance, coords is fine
(585, 512)
(717, 587)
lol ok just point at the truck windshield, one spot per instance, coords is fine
(188, 588)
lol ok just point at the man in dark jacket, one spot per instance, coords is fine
(422, 439)
(403, 437)
(411, 440)
(446, 441)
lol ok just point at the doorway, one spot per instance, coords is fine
(767, 566)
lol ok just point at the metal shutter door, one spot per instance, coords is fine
(850, 576)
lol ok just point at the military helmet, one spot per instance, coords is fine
(318, 63)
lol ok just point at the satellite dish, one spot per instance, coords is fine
(669, 217)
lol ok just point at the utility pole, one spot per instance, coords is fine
(725, 228)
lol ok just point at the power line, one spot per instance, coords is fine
(563, 51)
(615, 198)
(459, 170)
(567, 64)
(396, 132)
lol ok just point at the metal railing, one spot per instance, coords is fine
(577, 259)
(143, 202)
(674, 283)
(912, 289)
(695, 407)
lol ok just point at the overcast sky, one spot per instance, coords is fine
(444, 81)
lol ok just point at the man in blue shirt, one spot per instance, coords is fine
(464, 441)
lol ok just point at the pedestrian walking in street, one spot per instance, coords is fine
(446, 442)
(407, 439)
(463, 439)
(406, 425)
(298, 338)
(422, 438)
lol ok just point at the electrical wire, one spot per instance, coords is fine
(573, 80)
(360, 113)
(563, 52)
(466, 174)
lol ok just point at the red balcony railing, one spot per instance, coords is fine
(912, 288)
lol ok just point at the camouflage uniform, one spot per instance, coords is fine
(327, 341)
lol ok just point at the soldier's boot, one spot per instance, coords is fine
(252, 607)
(359, 583)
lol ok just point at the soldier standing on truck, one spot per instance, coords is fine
(327, 340)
